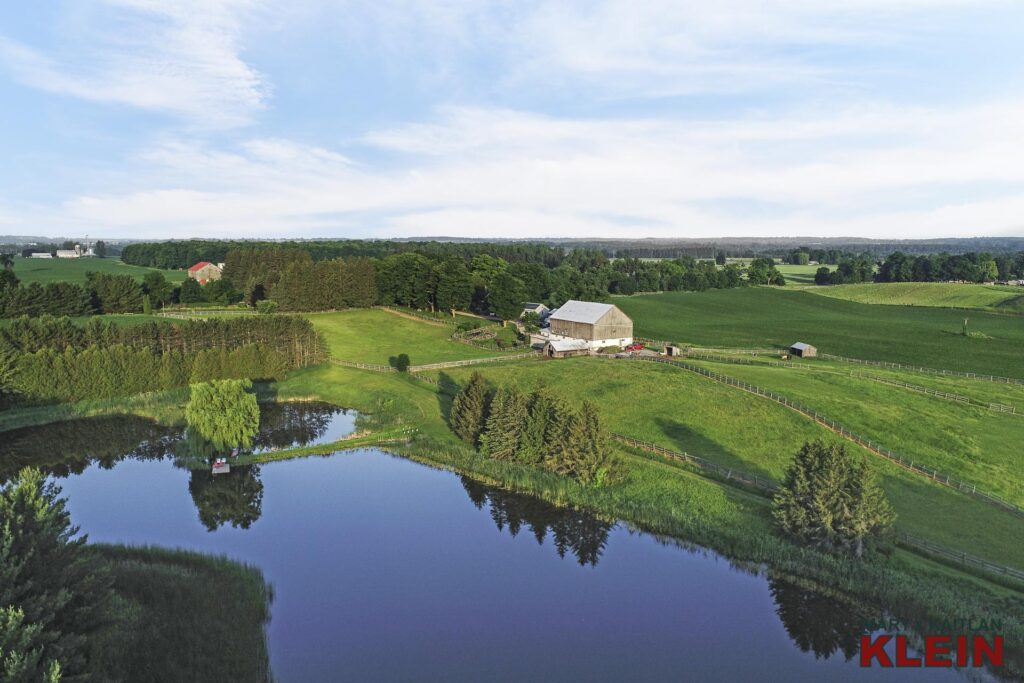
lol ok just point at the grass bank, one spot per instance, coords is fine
(187, 617)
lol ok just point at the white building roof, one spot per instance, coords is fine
(801, 346)
(569, 344)
(580, 312)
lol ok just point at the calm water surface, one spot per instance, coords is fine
(384, 569)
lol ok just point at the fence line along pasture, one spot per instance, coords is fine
(933, 371)
(769, 486)
(472, 361)
(789, 365)
(904, 462)
(433, 366)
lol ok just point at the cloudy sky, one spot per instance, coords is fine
(524, 118)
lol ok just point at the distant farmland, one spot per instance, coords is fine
(31, 270)
(765, 316)
(936, 294)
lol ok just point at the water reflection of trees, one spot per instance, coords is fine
(286, 424)
(65, 448)
(69, 447)
(582, 534)
(235, 498)
(818, 622)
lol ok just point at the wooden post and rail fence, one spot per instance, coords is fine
(769, 487)
(904, 462)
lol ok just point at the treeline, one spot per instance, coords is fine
(182, 254)
(291, 278)
(535, 428)
(102, 293)
(852, 270)
(970, 267)
(446, 276)
(52, 359)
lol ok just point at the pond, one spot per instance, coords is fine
(384, 569)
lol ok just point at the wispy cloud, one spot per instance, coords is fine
(181, 57)
(497, 171)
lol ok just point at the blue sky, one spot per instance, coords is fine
(251, 118)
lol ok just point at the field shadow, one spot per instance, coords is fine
(446, 390)
(687, 439)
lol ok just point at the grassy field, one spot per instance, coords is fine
(683, 411)
(31, 270)
(970, 442)
(374, 336)
(936, 294)
(799, 275)
(773, 317)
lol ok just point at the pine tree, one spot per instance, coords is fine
(830, 500)
(505, 426)
(55, 590)
(470, 409)
(594, 453)
(532, 438)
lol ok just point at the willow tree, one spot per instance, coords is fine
(224, 412)
(831, 500)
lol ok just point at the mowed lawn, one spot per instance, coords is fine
(758, 317)
(999, 298)
(375, 336)
(969, 442)
(683, 411)
(31, 270)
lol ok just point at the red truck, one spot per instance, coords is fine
(635, 347)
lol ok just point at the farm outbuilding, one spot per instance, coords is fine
(204, 272)
(803, 350)
(600, 325)
(541, 310)
(564, 348)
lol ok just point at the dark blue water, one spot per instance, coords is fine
(386, 570)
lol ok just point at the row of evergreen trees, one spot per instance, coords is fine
(53, 359)
(290, 335)
(535, 428)
(102, 293)
(109, 371)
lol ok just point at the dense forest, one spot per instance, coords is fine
(489, 278)
(52, 359)
(969, 267)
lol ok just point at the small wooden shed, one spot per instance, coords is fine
(564, 348)
(803, 350)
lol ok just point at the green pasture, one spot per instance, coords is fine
(999, 298)
(969, 442)
(799, 275)
(31, 270)
(774, 317)
(684, 411)
(374, 336)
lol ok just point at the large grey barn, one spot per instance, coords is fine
(600, 325)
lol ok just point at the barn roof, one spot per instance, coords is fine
(569, 344)
(581, 311)
(201, 264)
(801, 346)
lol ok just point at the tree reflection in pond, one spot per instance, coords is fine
(235, 498)
(818, 622)
(65, 448)
(580, 533)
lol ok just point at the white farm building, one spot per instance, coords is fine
(599, 325)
